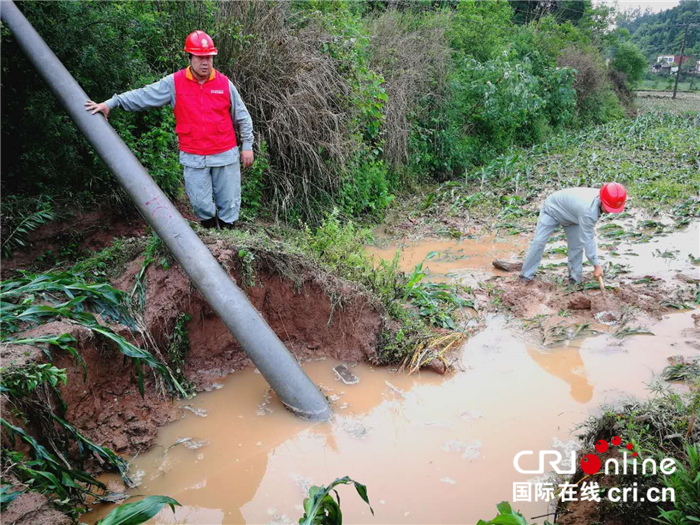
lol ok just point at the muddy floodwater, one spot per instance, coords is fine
(430, 448)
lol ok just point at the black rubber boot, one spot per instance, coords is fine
(209, 223)
(229, 225)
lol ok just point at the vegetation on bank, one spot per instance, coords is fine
(664, 426)
(352, 102)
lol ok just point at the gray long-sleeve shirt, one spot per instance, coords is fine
(577, 206)
(162, 92)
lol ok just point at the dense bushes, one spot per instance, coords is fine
(352, 100)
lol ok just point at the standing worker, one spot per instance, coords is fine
(577, 210)
(206, 106)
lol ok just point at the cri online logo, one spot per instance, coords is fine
(590, 463)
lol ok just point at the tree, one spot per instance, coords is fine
(629, 60)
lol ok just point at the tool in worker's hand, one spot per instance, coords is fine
(602, 284)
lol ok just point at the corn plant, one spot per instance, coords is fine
(17, 238)
(47, 474)
(138, 512)
(507, 516)
(321, 509)
(435, 301)
(18, 299)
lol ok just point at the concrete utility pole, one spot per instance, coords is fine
(680, 65)
(277, 365)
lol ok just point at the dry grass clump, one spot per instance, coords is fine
(414, 64)
(295, 95)
(590, 73)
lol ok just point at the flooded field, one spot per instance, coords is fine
(450, 440)
(430, 448)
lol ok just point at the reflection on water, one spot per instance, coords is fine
(567, 365)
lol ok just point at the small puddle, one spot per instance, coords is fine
(456, 259)
(430, 448)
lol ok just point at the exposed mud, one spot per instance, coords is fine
(527, 299)
(307, 314)
(64, 239)
(33, 509)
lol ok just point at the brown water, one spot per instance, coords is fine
(457, 259)
(431, 449)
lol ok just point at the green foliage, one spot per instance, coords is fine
(20, 312)
(365, 189)
(629, 60)
(466, 32)
(45, 473)
(139, 512)
(338, 245)
(7, 495)
(253, 185)
(19, 225)
(321, 509)
(247, 267)
(104, 47)
(110, 262)
(685, 482)
(507, 516)
(19, 382)
(688, 371)
(436, 302)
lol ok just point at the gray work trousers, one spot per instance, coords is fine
(215, 188)
(546, 224)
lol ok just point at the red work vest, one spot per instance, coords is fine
(203, 114)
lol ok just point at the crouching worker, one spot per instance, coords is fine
(210, 121)
(577, 210)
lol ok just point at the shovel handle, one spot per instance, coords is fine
(602, 284)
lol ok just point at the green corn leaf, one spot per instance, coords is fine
(139, 512)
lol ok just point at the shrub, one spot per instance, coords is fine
(628, 59)
(595, 101)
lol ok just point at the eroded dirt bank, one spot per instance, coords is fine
(314, 314)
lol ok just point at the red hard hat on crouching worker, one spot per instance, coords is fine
(613, 197)
(200, 44)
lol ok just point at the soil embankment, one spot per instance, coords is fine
(314, 314)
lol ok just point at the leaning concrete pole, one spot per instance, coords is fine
(264, 348)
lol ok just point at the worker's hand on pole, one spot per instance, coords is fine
(597, 271)
(247, 158)
(95, 107)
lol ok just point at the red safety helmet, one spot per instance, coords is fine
(613, 197)
(200, 44)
